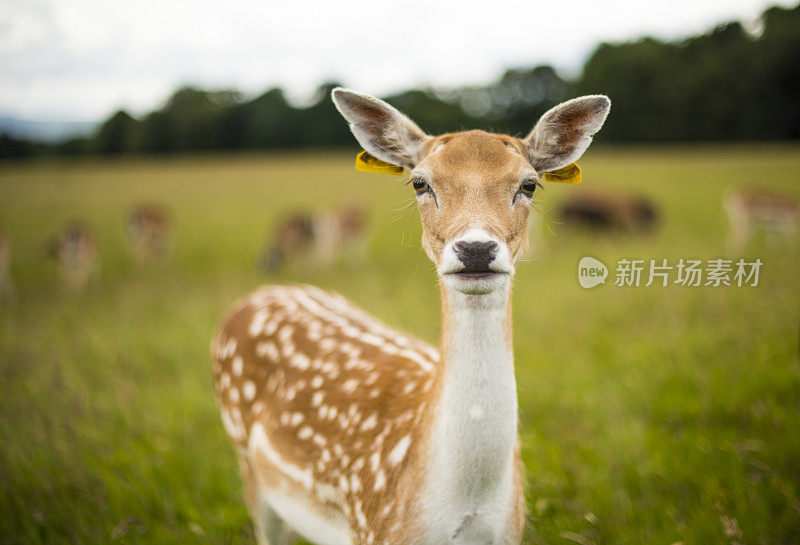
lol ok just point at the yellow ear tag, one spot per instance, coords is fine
(570, 174)
(367, 163)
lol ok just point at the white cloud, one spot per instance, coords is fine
(80, 59)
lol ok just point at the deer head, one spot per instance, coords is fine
(474, 189)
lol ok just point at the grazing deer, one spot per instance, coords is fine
(349, 432)
(149, 232)
(602, 211)
(317, 237)
(75, 250)
(752, 209)
(7, 291)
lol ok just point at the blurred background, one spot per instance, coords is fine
(158, 160)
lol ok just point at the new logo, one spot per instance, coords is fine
(591, 272)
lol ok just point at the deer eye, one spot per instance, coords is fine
(420, 186)
(527, 188)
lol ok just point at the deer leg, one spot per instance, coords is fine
(269, 527)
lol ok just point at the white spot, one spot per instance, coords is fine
(355, 483)
(285, 333)
(371, 338)
(350, 385)
(237, 366)
(268, 349)
(305, 432)
(257, 324)
(399, 451)
(370, 422)
(375, 461)
(288, 349)
(296, 419)
(380, 480)
(362, 520)
(225, 380)
(300, 361)
(317, 381)
(316, 399)
(249, 390)
(319, 440)
(233, 393)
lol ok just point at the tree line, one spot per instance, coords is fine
(727, 84)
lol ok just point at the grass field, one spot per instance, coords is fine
(649, 415)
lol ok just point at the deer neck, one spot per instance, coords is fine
(475, 424)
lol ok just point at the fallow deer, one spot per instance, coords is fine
(316, 238)
(7, 291)
(349, 432)
(752, 209)
(74, 249)
(609, 212)
(149, 231)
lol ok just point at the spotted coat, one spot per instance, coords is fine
(326, 402)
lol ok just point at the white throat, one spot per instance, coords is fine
(475, 428)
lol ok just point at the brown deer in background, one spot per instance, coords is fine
(750, 210)
(74, 249)
(609, 212)
(351, 433)
(149, 230)
(7, 290)
(317, 238)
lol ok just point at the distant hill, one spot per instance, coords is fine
(45, 131)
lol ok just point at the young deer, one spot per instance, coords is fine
(149, 232)
(320, 237)
(609, 212)
(74, 249)
(7, 291)
(351, 433)
(753, 209)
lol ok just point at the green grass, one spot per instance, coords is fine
(649, 415)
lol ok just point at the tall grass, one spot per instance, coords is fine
(649, 415)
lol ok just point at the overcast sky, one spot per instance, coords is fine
(81, 59)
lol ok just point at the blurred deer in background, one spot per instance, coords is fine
(7, 290)
(149, 230)
(318, 238)
(750, 210)
(351, 433)
(74, 249)
(609, 212)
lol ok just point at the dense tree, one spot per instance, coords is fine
(116, 135)
(727, 84)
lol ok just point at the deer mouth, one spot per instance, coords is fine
(476, 274)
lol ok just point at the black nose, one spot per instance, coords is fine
(475, 256)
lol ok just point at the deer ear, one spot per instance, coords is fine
(380, 129)
(564, 132)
